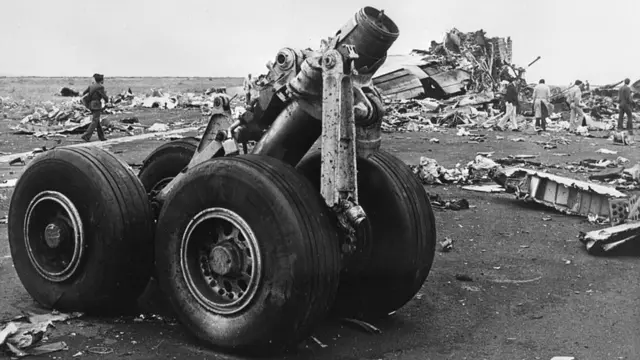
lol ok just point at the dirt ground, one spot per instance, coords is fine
(535, 292)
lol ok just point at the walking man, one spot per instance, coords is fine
(511, 103)
(248, 86)
(574, 97)
(624, 97)
(541, 105)
(93, 96)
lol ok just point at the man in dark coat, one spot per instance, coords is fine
(624, 96)
(95, 93)
(511, 104)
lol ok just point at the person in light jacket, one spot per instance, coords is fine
(574, 97)
(541, 105)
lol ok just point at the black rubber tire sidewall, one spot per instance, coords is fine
(117, 229)
(167, 161)
(403, 236)
(297, 239)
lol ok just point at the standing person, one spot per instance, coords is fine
(511, 103)
(94, 94)
(574, 97)
(541, 105)
(248, 86)
(624, 97)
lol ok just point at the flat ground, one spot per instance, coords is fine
(535, 293)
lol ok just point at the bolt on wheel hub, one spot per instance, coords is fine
(224, 259)
(54, 234)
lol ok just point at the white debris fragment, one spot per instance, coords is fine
(446, 245)
(158, 127)
(483, 163)
(322, 345)
(485, 188)
(8, 183)
(606, 151)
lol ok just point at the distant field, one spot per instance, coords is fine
(37, 89)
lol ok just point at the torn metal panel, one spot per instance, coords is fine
(400, 84)
(623, 210)
(563, 194)
(606, 239)
(450, 82)
(607, 174)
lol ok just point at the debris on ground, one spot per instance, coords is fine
(322, 345)
(566, 195)
(17, 161)
(158, 127)
(70, 116)
(463, 277)
(620, 138)
(493, 188)
(69, 92)
(21, 335)
(603, 240)
(606, 151)
(430, 172)
(607, 174)
(99, 350)
(9, 183)
(446, 245)
(457, 204)
(363, 325)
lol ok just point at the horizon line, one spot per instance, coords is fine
(118, 76)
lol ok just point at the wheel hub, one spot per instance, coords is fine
(220, 260)
(225, 259)
(54, 234)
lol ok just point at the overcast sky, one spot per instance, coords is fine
(589, 40)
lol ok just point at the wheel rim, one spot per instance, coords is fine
(159, 186)
(220, 260)
(155, 190)
(53, 235)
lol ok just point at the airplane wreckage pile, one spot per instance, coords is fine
(458, 84)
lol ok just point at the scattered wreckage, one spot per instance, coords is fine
(72, 117)
(22, 336)
(253, 249)
(598, 203)
(457, 82)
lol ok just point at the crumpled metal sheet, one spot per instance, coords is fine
(21, 335)
(462, 63)
(603, 240)
(430, 172)
(566, 195)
